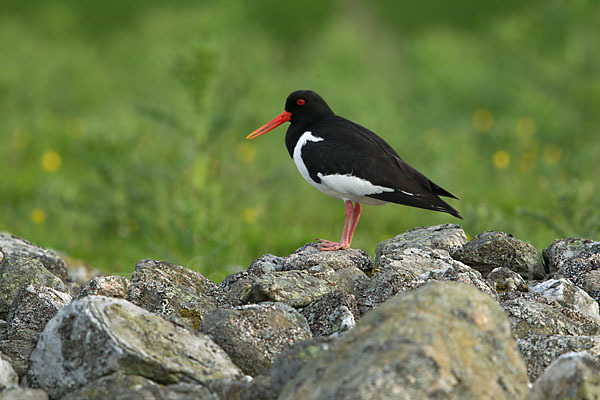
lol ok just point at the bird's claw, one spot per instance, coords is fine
(328, 245)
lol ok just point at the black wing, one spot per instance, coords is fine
(349, 148)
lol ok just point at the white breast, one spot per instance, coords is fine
(345, 187)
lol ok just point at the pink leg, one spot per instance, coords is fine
(355, 216)
(352, 214)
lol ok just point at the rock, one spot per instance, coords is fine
(539, 351)
(265, 264)
(490, 250)
(504, 280)
(571, 376)
(135, 387)
(294, 288)
(8, 376)
(536, 315)
(443, 340)
(572, 254)
(333, 313)
(97, 336)
(254, 334)
(258, 388)
(31, 309)
(109, 286)
(175, 292)
(411, 268)
(15, 248)
(16, 351)
(300, 278)
(568, 295)
(236, 286)
(577, 260)
(447, 237)
(456, 272)
(310, 255)
(113, 386)
(287, 364)
(23, 394)
(351, 280)
(16, 273)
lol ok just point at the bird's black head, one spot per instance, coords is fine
(306, 107)
(302, 108)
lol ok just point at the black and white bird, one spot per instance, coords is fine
(349, 162)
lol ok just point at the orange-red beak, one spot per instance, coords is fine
(278, 120)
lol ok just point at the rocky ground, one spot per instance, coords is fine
(432, 316)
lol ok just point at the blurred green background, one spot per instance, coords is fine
(122, 124)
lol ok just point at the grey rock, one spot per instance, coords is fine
(447, 237)
(351, 280)
(258, 388)
(491, 250)
(294, 288)
(504, 280)
(571, 253)
(16, 352)
(310, 255)
(265, 264)
(443, 340)
(113, 386)
(23, 394)
(16, 273)
(456, 272)
(539, 351)
(16, 248)
(181, 295)
(333, 313)
(236, 286)
(412, 268)
(31, 309)
(8, 376)
(96, 336)
(254, 334)
(532, 314)
(577, 260)
(571, 376)
(180, 391)
(109, 286)
(568, 295)
(120, 386)
(287, 364)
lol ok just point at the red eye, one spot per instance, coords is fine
(300, 102)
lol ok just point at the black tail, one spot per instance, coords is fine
(428, 202)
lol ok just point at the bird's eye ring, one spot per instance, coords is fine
(300, 102)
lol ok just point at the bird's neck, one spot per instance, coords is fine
(292, 136)
(296, 130)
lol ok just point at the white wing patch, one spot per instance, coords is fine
(306, 137)
(349, 184)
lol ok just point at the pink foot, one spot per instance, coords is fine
(328, 245)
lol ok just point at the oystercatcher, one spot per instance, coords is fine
(349, 162)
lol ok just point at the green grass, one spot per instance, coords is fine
(122, 126)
